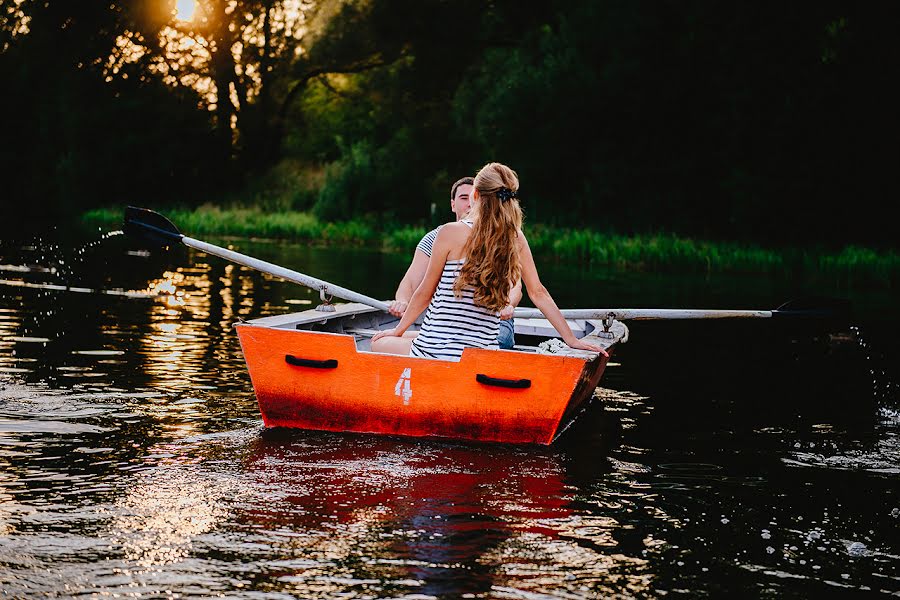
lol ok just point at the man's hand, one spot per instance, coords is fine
(507, 312)
(398, 307)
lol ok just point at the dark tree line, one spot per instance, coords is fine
(767, 122)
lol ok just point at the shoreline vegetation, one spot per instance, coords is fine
(581, 246)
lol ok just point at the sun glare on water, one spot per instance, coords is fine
(184, 9)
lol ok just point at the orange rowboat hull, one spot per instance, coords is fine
(316, 380)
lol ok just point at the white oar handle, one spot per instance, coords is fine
(287, 274)
(647, 314)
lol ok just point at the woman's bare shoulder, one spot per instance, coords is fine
(454, 230)
(450, 240)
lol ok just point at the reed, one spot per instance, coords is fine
(580, 246)
(646, 251)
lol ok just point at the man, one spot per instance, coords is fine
(460, 203)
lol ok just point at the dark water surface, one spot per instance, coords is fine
(743, 458)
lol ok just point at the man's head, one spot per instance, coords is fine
(461, 197)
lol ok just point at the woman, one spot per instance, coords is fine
(474, 264)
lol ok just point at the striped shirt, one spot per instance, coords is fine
(452, 324)
(427, 241)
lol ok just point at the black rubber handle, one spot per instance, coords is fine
(331, 363)
(509, 383)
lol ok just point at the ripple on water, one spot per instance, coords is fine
(45, 426)
(884, 458)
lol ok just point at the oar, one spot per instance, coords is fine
(155, 227)
(816, 308)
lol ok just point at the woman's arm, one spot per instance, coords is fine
(544, 301)
(422, 296)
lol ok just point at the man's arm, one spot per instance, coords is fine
(515, 296)
(423, 294)
(414, 276)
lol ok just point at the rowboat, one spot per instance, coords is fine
(316, 370)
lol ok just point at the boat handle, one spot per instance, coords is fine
(510, 383)
(331, 363)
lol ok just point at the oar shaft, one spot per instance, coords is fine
(287, 274)
(647, 314)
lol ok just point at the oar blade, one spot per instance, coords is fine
(150, 227)
(814, 307)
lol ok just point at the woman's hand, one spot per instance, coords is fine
(579, 345)
(507, 312)
(386, 333)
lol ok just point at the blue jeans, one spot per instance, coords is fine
(506, 339)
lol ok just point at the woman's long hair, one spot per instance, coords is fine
(492, 257)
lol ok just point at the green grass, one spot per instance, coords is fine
(252, 223)
(579, 246)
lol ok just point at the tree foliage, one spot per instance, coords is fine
(751, 121)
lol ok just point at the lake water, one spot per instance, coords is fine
(748, 458)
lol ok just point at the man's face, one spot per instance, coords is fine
(462, 202)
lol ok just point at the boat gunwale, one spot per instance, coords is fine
(585, 357)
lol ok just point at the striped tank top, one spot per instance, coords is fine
(452, 324)
(427, 241)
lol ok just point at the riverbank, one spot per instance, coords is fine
(641, 251)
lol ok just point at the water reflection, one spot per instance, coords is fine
(320, 515)
(448, 519)
(189, 311)
(165, 510)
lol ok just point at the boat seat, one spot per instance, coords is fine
(361, 331)
(368, 333)
(365, 332)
